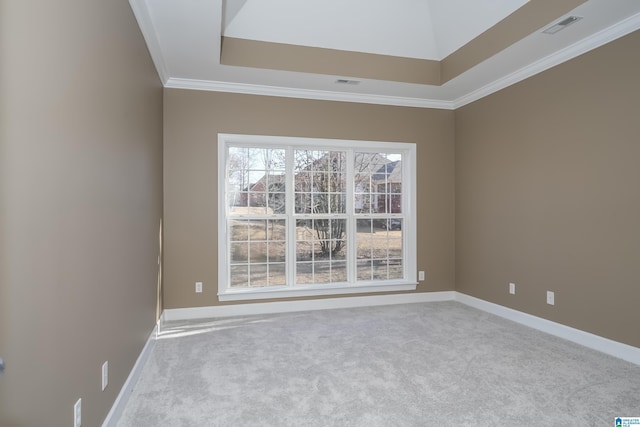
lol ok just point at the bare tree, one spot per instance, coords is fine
(321, 189)
(239, 164)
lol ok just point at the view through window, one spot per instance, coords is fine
(302, 214)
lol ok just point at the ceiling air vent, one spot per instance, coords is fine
(347, 82)
(562, 25)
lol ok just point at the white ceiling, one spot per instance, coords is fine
(183, 37)
(424, 29)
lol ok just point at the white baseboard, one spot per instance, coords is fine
(303, 305)
(125, 392)
(604, 345)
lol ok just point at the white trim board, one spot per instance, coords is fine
(595, 342)
(586, 339)
(303, 305)
(145, 22)
(127, 388)
(583, 46)
(322, 95)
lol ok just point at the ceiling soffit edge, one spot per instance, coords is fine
(287, 57)
(603, 37)
(529, 18)
(315, 60)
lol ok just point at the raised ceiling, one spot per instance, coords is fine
(427, 29)
(423, 53)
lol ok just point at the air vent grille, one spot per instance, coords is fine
(347, 82)
(562, 25)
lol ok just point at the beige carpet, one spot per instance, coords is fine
(432, 364)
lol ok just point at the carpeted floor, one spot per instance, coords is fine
(433, 364)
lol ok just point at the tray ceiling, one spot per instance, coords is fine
(423, 53)
(427, 29)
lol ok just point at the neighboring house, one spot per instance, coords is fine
(380, 186)
(385, 187)
(388, 182)
(269, 187)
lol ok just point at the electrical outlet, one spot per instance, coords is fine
(551, 298)
(77, 414)
(421, 275)
(512, 288)
(198, 287)
(105, 375)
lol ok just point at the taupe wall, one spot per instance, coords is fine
(192, 122)
(547, 196)
(80, 205)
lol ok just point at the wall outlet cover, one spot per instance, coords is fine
(105, 375)
(77, 414)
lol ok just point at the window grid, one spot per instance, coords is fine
(318, 198)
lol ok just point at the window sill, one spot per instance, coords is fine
(306, 291)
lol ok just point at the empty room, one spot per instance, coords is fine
(319, 213)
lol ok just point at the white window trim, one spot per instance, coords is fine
(225, 293)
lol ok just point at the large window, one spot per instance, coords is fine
(301, 216)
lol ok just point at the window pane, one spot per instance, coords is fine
(277, 274)
(277, 229)
(378, 183)
(239, 230)
(363, 271)
(239, 276)
(252, 175)
(395, 269)
(253, 245)
(303, 203)
(277, 252)
(364, 235)
(364, 249)
(338, 272)
(320, 181)
(321, 272)
(364, 226)
(379, 271)
(276, 203)
(258, 252)
(395, 247)
(379, 240)
(304, 273)
(303, 181)
(258, 275)
(239, 253)
(321, 247)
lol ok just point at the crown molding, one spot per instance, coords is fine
(143, 16)
(594, 41)
(251, 89)
(585, 45)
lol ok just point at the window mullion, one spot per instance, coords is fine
(290, 265)
(351, 221)
(223, 220)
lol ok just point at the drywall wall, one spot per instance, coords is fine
(80, 203)
(192, 122)
(547, 193)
